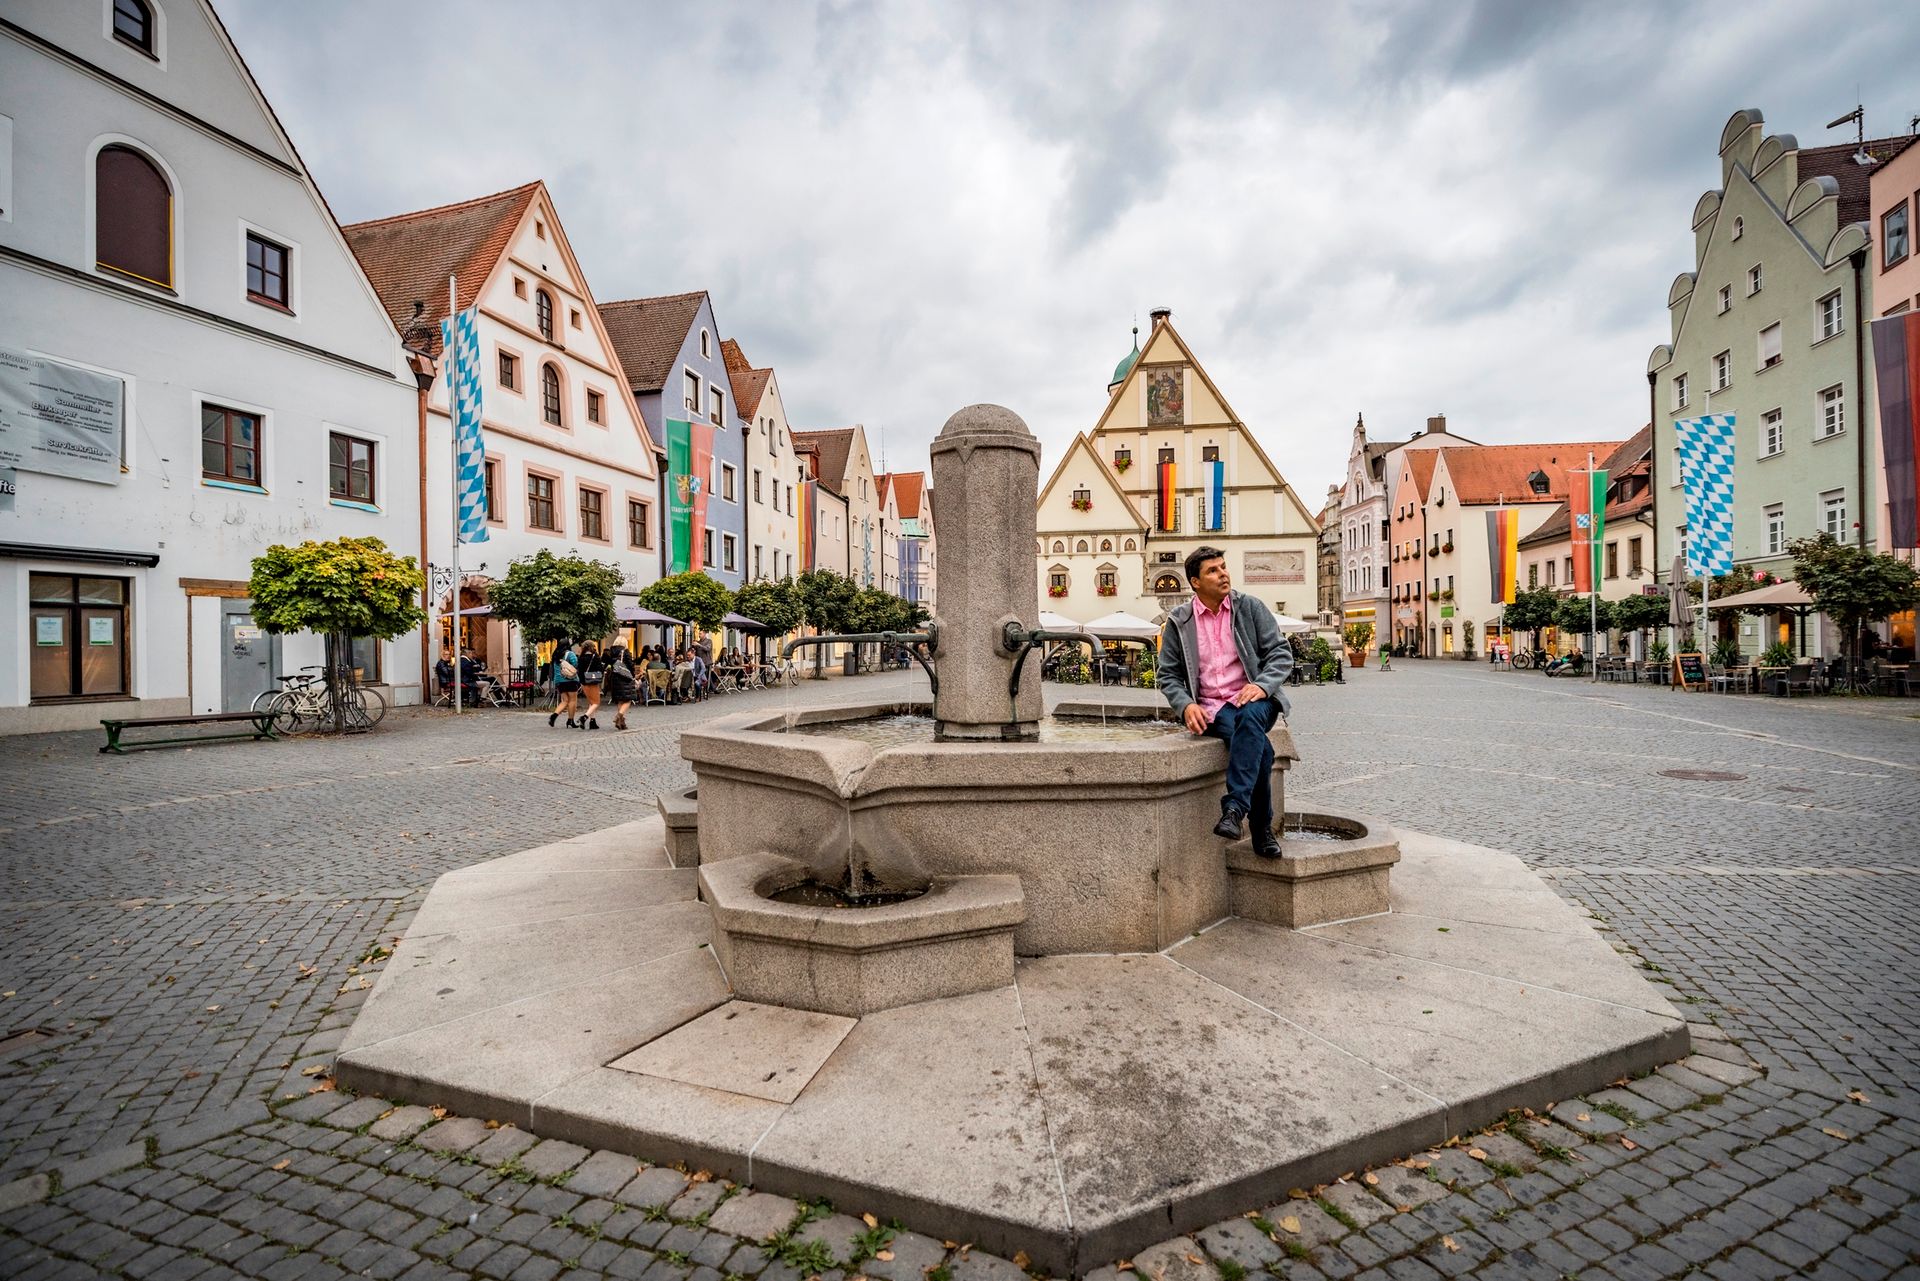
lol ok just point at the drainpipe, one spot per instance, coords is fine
(1859, 260)
(1653, 482)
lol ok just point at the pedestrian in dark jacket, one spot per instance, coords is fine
(618, 686)
(593, 670)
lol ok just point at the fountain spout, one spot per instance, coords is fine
(1021, 641)
(918, 644)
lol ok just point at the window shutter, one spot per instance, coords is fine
(1769, 345)
(133, 216)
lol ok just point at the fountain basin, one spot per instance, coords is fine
(952, 940)
(1109, 838)
(680, 812)
(1332, 867)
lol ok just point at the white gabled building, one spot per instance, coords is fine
(774, 470)
(570, 466)
(165, 255)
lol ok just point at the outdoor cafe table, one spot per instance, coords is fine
(1763, 676)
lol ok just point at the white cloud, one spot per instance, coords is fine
(1473, 209)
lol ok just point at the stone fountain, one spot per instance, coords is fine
(983, 968)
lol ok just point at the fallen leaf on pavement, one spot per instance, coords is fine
(869, 1220)
(1856, 1095)
(1628, 1144)
(1022, 1260)
(439, 1114)
(283, 1163)
(315, 1070)
(1373, 1180)
(323, 1087)
(1195, 1259)
(1838, 1134)
(885, 1256)
(700, 1176)
(1584, 1116)
(1477, 1154)
(1449, 1243)
(1291, 1224)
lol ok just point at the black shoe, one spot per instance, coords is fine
(551, 718)
(570, 724)
(592, 723)
(1231, 817)
(1266, 845)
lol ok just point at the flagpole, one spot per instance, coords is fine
(1593, 582)
(453, 477)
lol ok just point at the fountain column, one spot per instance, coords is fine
(986, 471)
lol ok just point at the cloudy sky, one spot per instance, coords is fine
(1388, 208)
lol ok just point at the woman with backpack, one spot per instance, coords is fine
(566, 682)
(593, 671)
(619, 684)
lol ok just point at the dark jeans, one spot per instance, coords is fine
(1249, 757)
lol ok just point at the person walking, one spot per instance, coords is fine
(619, 684)
(1222, 668)
(593, 672)
(566, 682)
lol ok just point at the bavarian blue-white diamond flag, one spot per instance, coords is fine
(460, 338)
(1706, 476)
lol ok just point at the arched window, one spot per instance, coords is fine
(706, 344)
(133, 24)
(550, 394)
(1106, 544)
(132, 216)
(543, 313)
(1129, 546)
(1080, 546)
(1059, 545)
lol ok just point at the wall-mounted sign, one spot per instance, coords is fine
(1274, 567)
(9, 488)
(59, 419)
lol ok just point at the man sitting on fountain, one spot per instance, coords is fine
(1222, 667)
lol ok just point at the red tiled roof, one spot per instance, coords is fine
(1837, 163)
(832, 447)
(907, 488)
(408, 257)
(1420, 462)
(1486, 474)
(749, 384)
(1632, 457)
(647, 334)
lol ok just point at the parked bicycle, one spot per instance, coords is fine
(1535, 659)
(306, 705)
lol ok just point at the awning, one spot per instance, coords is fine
(639, 614)
(79, 555)
(475, 610)
(740, 622)
(1785, 595)
(1121, 625)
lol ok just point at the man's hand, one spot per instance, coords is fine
(1196, 718)
(1249, 693)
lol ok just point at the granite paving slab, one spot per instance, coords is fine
(479, 897)
(639, 845)
(765, 1051)
(1479, 1043)
(1452, 879)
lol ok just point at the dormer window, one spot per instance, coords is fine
(543, 313)
(1739, 228)
(706, 344)
(1537, 481)
(133, 24)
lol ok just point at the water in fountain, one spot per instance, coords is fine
(908, 729)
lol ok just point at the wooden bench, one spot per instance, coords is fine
(258, 725)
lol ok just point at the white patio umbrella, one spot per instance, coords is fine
(1121, 625)
(1052, 622)
(1288, 623)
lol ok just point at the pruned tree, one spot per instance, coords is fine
(1852, 585)
(691, 597)
(558, 597)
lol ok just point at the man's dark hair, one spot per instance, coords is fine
(1198, 557)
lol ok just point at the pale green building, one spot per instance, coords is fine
(1767, 327)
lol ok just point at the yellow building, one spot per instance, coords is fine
(1113, 533)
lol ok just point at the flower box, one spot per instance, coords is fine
(1108, 591)
(1056, 592)
(1083, 504)
(1121, 464)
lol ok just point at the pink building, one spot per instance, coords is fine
(1894, 193)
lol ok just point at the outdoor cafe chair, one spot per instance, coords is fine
(658, 683)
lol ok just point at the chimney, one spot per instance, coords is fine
(1437, 424)
(1159, 314)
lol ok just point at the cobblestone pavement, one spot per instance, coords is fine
(187, 934)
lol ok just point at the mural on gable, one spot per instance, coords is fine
(1165, 404)
(1275, 567)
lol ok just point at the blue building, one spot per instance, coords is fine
(669, 348)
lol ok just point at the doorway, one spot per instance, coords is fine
(248, 656)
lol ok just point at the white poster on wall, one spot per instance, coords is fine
(60, 419)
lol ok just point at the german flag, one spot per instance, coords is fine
(1169, 495)
(1503, 553)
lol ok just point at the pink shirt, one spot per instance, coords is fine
(1222, 675)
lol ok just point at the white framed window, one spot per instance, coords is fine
(1832, 320)
(1739, 228)
(729, 552)
(1769, 346)
(693, 392)
(1833, 412)
(729, 482)
(717, 411)
(1680, 543)
(1776, 530)
(756, 484)
(1723, 371)
(1755, 278)
(1726, 299)
(1833, 512)
(706, 344)
(1680, 391)
(1773, 434)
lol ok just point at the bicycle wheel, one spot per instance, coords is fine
(373, 704)
(284, 710)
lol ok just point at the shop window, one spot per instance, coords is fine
(77, 636)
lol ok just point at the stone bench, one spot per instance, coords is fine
(680, 812)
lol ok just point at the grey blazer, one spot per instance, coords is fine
(1263, 652)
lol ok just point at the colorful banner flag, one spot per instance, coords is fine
(1503, 553)
(682, 483)
(1587, 510)
(808, 524)
(1896, 367)
(1706, 477)
(460, 342)
(1216, 495)
(702, 450)
(1168, 518)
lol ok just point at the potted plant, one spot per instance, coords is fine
(1433, 595)
(1779, 654)
(1447, 546)
(1416, 553)
(1121, 464)
(1466, 639)
(1083, 504)
(1056, 590)
(1357, 637)
(1107, 589)
(1726, 652)
(1446, 593)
